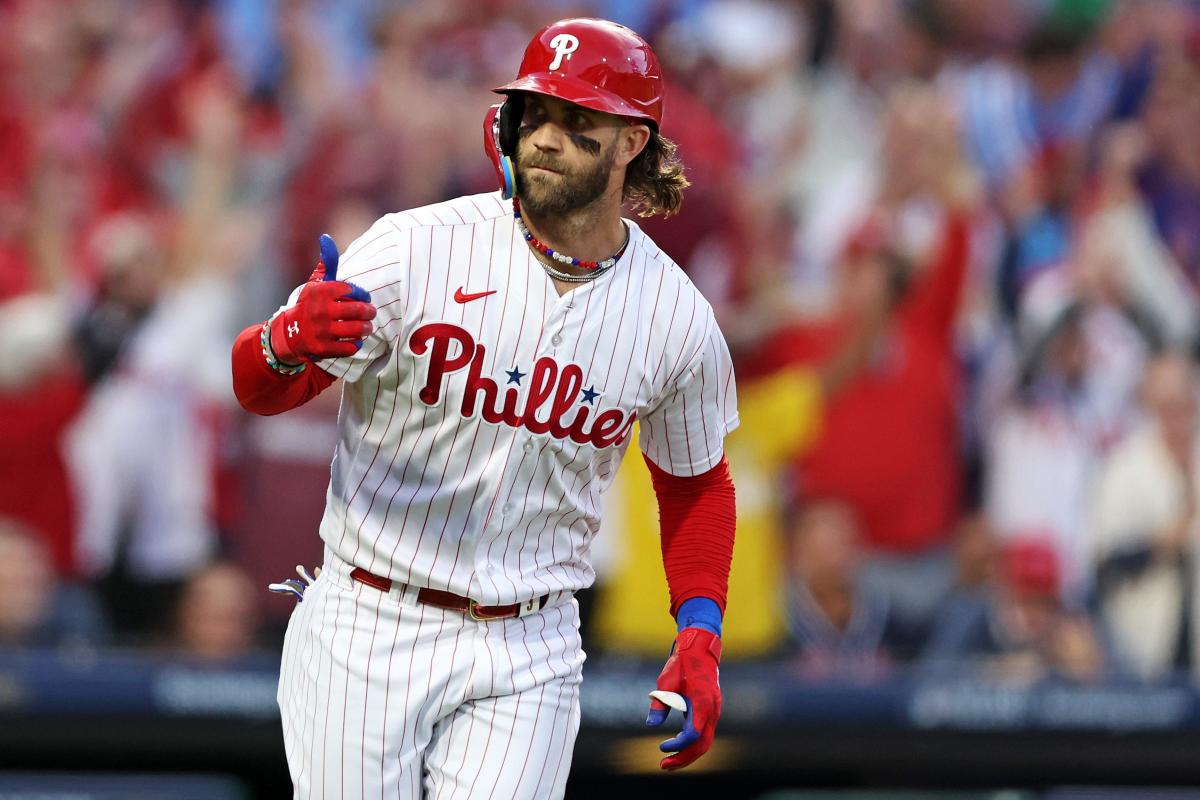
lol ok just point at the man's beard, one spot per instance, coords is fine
(571, 191)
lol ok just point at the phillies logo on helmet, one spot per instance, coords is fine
(563, 45)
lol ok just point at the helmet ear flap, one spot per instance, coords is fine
(509, 118)
(500, 136)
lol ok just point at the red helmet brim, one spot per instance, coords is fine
(577, 91)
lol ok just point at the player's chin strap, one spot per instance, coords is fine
(500, 126)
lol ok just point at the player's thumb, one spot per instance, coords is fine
(329, 256)
(658, 713)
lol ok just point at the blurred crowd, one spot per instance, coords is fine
(954, 246)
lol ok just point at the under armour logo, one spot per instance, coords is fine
(293, 328)
(563, 45)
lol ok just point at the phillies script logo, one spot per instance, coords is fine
(553, 391)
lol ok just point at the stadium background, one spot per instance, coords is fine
(954, 246)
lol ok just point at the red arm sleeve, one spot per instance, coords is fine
(263, 390)
(698, 516)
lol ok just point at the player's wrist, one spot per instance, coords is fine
(699, 612)
(278, 355)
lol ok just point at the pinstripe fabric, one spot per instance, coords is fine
(475, 440)
(428, 494)
(384, 697)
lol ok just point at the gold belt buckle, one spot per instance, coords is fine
(473, 611)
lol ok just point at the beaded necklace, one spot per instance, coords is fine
(595, 268)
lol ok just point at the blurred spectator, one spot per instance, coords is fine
(890, 442)
(1058, 409)
(1146, 527)
(839, 628)
(46, 180)
(1169, 178)
(41, 388)
(36, 610)
(144, 450)
(218, 616)
(976, 555)
(1020, 631)
(1040, 110)
(1120, 259)
(977, 568)
(1033, 128)
(128, 250)
(839, 161)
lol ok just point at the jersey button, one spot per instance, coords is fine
(529, 446)
(556, 340)
(508, 507)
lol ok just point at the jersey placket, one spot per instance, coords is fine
(528, 456)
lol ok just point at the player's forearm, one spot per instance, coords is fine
(940, 291)
(263, 390)
(698, 516)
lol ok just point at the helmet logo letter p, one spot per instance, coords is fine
(563, 45)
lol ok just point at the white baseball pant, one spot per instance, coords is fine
(382, 696)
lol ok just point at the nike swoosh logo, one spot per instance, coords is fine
(464, 297)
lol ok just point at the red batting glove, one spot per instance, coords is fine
(692, 671)
(330, 318)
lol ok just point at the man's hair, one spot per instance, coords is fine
(654, 181)
(1054, 40)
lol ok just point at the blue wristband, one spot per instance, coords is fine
(699, 612)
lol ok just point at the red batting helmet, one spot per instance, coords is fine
(596, 64)
(593, 63)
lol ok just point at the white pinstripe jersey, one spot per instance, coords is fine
(477, 432)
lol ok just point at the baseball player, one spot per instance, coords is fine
(494, 352)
